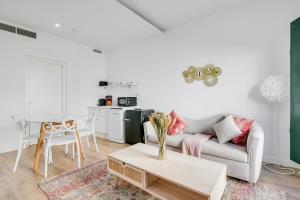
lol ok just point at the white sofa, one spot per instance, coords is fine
(242, 162)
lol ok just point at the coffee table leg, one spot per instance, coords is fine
(121, 183)
(117, 182)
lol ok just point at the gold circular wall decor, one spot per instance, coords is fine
(189, 74)
(217, 71)
(210, 80)
(199, 75)
(208, 69)
(192, 69)
(189, 79)
(209, 74)
(185, 74)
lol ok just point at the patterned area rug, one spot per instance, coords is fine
(95, 183)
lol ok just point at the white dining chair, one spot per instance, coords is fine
(55, 137)
(87, 128)
(24, 139)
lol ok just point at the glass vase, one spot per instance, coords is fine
(162, 150)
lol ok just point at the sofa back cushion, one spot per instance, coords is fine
(203, 125)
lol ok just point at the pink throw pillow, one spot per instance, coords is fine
(245, 127)
(176, 125)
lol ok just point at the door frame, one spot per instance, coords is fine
(294, 94)
(30, 58)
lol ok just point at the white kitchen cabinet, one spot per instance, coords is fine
(110, 122)
(101, 122)
(116, 125)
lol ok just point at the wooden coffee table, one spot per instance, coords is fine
(179, 177)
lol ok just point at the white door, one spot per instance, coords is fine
(45, 93)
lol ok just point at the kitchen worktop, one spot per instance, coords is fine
(114, 107)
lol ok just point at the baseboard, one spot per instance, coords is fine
(102, 135)
(284, 162)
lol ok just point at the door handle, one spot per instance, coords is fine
(127, 120)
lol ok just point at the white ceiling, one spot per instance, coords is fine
(168, 14)
(99, 23)
(108, 23)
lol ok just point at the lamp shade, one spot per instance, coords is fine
(274, 88)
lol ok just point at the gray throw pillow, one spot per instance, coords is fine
(226, 129)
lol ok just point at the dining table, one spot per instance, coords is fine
(45, 124)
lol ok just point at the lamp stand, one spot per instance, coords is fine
(277, 168)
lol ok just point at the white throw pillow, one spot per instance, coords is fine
(226, 129)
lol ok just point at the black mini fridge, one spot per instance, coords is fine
(133, 122)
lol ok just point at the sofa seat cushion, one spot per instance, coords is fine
(173, 141)
(211, 147)
(227, 150)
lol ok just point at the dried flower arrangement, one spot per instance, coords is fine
(160, 123)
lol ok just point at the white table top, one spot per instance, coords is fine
(195, 173)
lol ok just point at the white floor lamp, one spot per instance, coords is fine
(274, 89)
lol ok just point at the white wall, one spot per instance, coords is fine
(249, 43)
(84, 70)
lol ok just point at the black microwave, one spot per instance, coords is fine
(127, 101)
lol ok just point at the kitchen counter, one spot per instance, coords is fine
(113, 107)
(109, 122)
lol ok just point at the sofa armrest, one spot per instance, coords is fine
(148, 130)
(255, 147)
